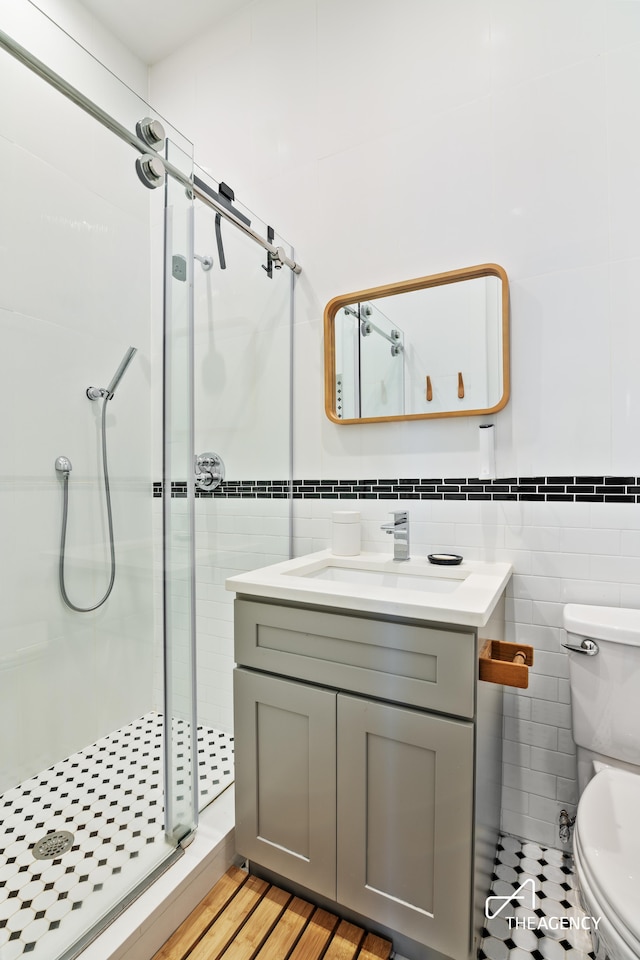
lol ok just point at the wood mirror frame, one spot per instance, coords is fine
(409, 286)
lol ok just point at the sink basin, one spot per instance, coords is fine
(375, 583)
(399, 579)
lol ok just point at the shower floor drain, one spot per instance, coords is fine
(53, 845)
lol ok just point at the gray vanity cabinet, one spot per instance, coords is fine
(390, 835)
(368, 801)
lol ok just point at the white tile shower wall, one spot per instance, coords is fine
(242, 322)
(73, 296)
(561, 553)
(232, 536)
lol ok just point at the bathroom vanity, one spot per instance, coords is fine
(368, 752)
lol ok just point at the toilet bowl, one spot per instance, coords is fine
(606, 848)
(604, 676)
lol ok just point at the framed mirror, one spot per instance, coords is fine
(436, 346)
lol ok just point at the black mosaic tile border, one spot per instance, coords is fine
(578, 489)
(252, 489)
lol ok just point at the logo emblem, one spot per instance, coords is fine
(525, 895)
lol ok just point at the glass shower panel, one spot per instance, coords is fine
(242, 385)
(81, 776)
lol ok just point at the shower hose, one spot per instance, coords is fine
(65, 511)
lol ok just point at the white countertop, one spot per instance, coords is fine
(472, 589)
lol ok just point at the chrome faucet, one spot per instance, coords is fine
(400, 530)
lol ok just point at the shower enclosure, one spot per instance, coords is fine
(242, 389)
(113, 740)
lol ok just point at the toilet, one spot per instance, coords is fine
(604, 672)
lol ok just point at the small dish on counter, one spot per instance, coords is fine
(445, 559)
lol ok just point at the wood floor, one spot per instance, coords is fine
(244, 918)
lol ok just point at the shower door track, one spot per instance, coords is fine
(76, 96)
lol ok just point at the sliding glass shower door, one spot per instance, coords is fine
(242, 386)
(96, 698)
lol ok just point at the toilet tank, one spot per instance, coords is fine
(605, 688)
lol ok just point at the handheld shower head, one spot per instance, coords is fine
(94, 393)
(126, 360)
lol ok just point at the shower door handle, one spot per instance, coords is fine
(209, 470)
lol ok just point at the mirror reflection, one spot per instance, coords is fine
(432, 347)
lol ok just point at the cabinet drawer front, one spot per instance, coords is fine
(285, 739)
(405, 821)
(429, 667)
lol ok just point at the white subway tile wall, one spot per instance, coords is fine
(539, 765)
(539, 773)
(232, 536)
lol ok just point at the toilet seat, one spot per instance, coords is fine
(607, 852)
(608, 937)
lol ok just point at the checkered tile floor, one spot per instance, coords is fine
(549, 923)
(109, 796)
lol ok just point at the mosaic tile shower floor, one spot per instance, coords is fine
(109, 796)
(550, 925)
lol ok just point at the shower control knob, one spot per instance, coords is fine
(209, 470)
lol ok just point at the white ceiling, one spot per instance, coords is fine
(152, 29)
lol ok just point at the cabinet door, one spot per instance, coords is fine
(285, 749)
(405, 807)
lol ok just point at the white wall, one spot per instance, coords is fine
(74, 18)
(389, 142)
(242, 322)
(392, 144)
(74, 294)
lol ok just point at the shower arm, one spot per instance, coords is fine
(76, 96)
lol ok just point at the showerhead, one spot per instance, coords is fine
(126, 360)
(95, 393)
